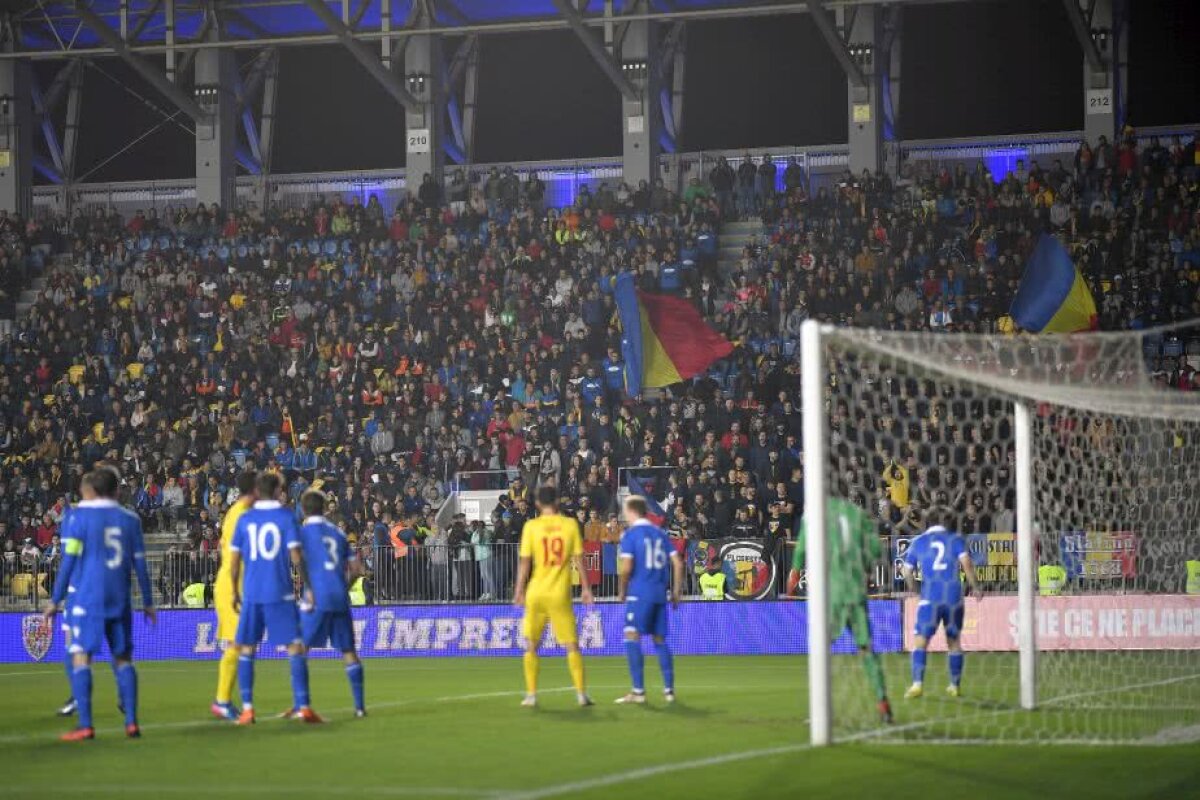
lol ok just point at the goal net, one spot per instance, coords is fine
(1074, 479)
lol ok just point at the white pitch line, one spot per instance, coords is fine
(876, 735)
(1055, 742)
(618, 778)
(1066, 698)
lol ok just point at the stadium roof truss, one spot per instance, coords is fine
(425, 55)
(58, 28)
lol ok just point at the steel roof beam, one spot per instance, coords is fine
(1083, 34)
(147, 15)
(385, 77)
(487, 28)
(596, 49)
(833, 38)
(142, 67)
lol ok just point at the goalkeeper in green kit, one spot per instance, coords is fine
(854, 549)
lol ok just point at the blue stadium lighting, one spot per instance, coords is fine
(1003, 161)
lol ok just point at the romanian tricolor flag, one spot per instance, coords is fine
(654, 511)
(665, 339)
(1053, 296)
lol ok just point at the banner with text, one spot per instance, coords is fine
(1097, 554)
(1085, 622)
(721, 628)
(994, 556)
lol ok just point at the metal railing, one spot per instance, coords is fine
(25, 586)
(433, 573)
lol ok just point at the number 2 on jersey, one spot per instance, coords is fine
(552, 551)
(939, 561)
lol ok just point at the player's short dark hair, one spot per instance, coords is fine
(267, 485)
(247, 480)
(312, 502)
(942, 515)
(104, 481)
(637, 504)
(547, 496)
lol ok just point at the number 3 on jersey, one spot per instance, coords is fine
(552, 551)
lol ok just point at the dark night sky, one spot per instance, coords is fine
(1007, 66)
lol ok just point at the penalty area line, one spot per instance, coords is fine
(877, 735)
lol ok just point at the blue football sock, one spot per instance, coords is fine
(127, 690)
(299, 665)
(956, 667)
(666, 662)
(637, 664)
(81, 689)
(918, 666)
(355, 673)
(245, 672)
(69, 670)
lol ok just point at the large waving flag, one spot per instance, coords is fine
(654, 511)
(665, 339)
(1053, 296)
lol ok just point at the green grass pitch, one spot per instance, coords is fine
(451, 728)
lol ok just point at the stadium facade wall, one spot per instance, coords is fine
(697, 628)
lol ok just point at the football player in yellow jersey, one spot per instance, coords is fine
(551, 545)
(227, 615)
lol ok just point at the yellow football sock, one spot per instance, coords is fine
(531, 664)
(226, 674)
(575, 665)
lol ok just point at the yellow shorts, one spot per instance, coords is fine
(227, 618)
(555, 610)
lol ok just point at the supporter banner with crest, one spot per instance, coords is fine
(696, 628)
(994, 556)
(1097, 554)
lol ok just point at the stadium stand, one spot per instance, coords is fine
(378, 355)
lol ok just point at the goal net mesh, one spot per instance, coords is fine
(922, 421)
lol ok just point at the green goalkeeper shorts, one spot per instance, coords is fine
(854, 617)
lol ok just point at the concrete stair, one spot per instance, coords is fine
(734, 237)
(158, 541)
(29, 296)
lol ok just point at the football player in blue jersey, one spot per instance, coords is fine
(102, 547)
(331, 561)
(267, 542)
(938, 553)
(650, 571)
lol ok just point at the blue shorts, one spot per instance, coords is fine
(930, 615)
(89, 633)
(332, 628)
(281, 622)
(646, 617)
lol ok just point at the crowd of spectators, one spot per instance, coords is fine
(377, 355)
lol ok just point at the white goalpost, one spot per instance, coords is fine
(1075, 481)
